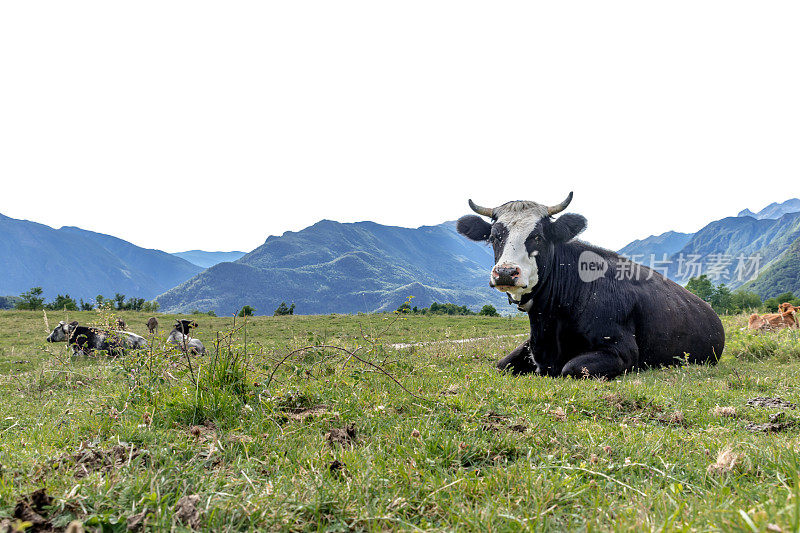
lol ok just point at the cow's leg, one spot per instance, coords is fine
(519, 361)
(595, 365)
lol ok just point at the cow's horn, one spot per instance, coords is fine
(553, 210)
(485, 211)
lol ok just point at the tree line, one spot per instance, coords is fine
(33, 300)
(446, 309)
(725, 301)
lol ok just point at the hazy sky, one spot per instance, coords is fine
(212, 125)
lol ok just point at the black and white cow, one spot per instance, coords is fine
(180, 337)
(85, 340)
(592, 312)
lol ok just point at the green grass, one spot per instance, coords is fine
(462, 448)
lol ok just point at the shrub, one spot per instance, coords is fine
(63, 302)
(284, 310)
(31, 300)
(247, 311)
(488, 310)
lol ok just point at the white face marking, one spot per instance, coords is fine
(520, 224)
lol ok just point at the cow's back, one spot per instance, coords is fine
(673, 324)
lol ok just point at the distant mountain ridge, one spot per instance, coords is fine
(205, 259)
(82, 263)
(333, 267)
(774, 210)
(732, 250)
(657, 245)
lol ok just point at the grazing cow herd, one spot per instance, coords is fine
(85, 340)
(586, 320)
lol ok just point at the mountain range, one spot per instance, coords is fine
(334, 267)
(82, 263)
(774, 210)
(763, 244)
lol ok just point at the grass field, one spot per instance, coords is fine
(328, 440)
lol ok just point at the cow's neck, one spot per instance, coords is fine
(554, 289)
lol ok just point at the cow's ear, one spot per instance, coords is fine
(566, 227)
(474, 228)
(74, 323)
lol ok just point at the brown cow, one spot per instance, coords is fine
(152, 324)
(786, 318)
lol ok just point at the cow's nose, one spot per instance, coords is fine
(502, 272)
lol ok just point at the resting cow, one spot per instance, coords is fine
(85, 340)
(592, 312)
(180, 337)
(785, 318)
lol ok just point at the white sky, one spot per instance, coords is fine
(211, 125)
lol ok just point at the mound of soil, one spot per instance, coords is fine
(771, 403)
(90, 459)
(33, 509)
(345, 436)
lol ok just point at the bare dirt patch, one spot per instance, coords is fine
(186, 511)
(338, 469)
(33, 509)
(777, 422)
(89, 459)
(346, 436)
(771, 403)
(497, 422)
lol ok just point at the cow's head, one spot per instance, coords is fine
(62, 332)
(523, 235)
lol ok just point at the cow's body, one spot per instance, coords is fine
(785, 318)
(610, 326)
(86, 340)
(152, 324)
(179, 336)
(601, 322)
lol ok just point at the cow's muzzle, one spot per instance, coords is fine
(506, 276)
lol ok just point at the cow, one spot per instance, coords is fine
(592, 313)
(152, 324)
(85, 340)
(180, 337)
(121, 325)
(785, 318)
